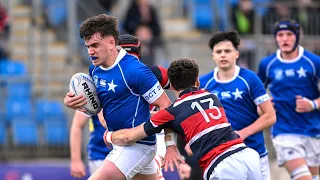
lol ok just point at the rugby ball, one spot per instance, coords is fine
(82, 84)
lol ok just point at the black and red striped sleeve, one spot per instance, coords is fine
(161, 74)
(159, 121)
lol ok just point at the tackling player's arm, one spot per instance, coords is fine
(125, 137)
(78, 123)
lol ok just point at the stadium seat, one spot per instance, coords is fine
(47, 109)
(203, 17)
(18, 108)
(10, 68)
(55, 132)
(3, 133)
(24, 132)
(57, 11)
(19, 90)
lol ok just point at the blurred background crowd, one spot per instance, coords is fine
(40, 50)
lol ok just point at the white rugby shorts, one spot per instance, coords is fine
(294, 146)
(242, 165)
(134, 159)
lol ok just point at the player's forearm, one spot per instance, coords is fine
(126, 137)
(264, 121)
(121, 138)
(75, 143)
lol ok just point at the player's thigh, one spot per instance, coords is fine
(312, 147)
(133, 159)
(107, 171)
(94, 165)
(265, 169)
(288, 148)
(252, 161)
(243, 165)
(154, 176)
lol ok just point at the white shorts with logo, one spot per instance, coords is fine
(94, 165)
(134, 159)
(242, 165)
(265, 169)
(292, 146)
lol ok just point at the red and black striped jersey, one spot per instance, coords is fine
(198, 117)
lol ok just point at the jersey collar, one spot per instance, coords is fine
(121, 54)
(236, 73)
(301, 51)
(188, 90)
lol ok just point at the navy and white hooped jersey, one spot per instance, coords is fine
(97, 150)
(199, 119)
(240, 97)
(286, 79)
(125, 91)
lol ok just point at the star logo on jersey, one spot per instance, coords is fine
(112, 86)
(301, 72)
(237, 94)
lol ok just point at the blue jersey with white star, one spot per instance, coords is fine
(125, 91)
(240, 97)
(97, 150)
(286, 79)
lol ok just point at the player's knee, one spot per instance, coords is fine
(300, 172)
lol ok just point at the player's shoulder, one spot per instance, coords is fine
(311, 56)
(266, 60)
(248, 75)
(207, 76)
(129, 60)
(246, 72)
(91, 68)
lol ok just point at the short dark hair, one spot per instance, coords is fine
(231, 36)
(104, 24)
(183, 73)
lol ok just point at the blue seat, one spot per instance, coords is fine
(3, 133)
(57, 11)
(19, 90)
(47, 109)
(10, 68)
(18, 108)
(55, 132)
(203, 17)
(24, 132)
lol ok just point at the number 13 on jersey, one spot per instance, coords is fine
(205, 114)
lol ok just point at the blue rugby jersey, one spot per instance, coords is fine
(286, 79)
(125, 91)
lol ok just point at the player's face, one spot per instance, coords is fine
(225, 55)
(286, 40)
(99, 48)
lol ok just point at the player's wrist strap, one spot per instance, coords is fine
(173, 139)
(315, 104)
(109, 137)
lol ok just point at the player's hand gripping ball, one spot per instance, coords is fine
(82, 84)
